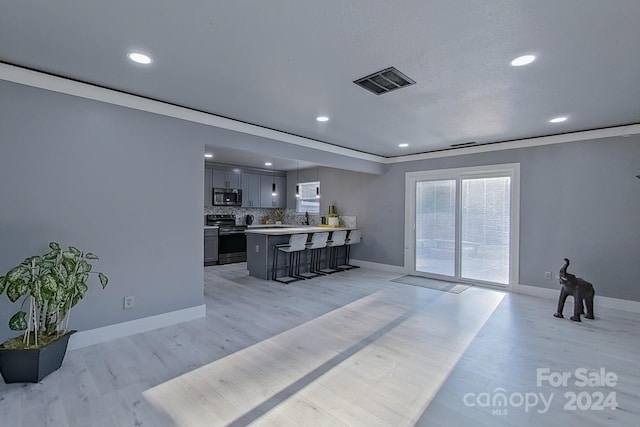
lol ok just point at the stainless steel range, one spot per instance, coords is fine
(232, 241)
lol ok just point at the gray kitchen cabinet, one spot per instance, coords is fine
(256, 186)
(280, 201)
(208, 185)
(250, 190)
(266, 199)
(226, 179)
(211, 246)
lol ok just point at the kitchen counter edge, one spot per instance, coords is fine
(294, 230)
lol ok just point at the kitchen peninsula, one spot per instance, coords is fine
(260, 243)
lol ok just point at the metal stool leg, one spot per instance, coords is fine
(313, 266)
(328, 269)
(354, 237)
(274, 267)
(293, 249)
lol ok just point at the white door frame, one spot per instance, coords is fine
(412, 178)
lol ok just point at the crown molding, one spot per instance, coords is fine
(63, 85)
(66, 86)
(622, 131)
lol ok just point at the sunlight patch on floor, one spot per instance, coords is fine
(377, 361)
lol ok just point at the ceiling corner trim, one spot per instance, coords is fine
(523, 143)
(58, 84)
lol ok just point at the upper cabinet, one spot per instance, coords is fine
(280, 201)
(226, 179)
(256, 186)
(208, 185)
(267, 199)
(250, 190)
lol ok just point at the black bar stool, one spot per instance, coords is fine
(318, 241)
(337, 239)
(296, 245)
(355, 236)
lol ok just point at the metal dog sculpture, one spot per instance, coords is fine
(581, 290)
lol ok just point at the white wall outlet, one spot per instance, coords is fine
(257, 248)
(128, 303)
(547, 275)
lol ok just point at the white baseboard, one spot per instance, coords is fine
(598, 302)
(552, 294)
(124, 329)
(536, 291)
(377, 266)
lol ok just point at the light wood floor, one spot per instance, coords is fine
(350, 349)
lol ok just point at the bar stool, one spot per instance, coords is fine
(318, 241)
(296, 245)
(337, 239)
(355, 236)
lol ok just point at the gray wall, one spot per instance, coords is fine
(579, 200)
(336, 185)
(123, 184)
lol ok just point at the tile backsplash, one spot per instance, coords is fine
(290, 216)
(240, 213)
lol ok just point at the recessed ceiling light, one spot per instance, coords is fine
(140, 58)
(403, 145)
(208, 155)
(268, 163)
(322, 118)
(558, 120)
(523, 60)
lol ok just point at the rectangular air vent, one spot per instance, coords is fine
(463, 144)
(384, 81)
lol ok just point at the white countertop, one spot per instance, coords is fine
(272, 226)
(210, 226)
(282, 231)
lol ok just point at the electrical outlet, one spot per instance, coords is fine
(257, 248)
(547, 275)
(128, 303)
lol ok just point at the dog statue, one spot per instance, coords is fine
(580, 290)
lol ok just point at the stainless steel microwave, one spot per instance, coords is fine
(227, 197)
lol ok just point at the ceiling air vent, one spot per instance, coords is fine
(463, 144)
(384, 81)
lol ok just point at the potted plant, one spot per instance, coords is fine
(278, 215)
(48, 287)
(332, 217)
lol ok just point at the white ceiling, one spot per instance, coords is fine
(253, 159)
(281, 63)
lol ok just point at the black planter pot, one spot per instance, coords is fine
(33, 364)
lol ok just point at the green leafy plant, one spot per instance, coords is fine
(278, 214)
(51, 285)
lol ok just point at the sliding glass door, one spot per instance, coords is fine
(461, 224)
(435, 233)
(485, 229)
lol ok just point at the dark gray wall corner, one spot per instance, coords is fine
(124, 184)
